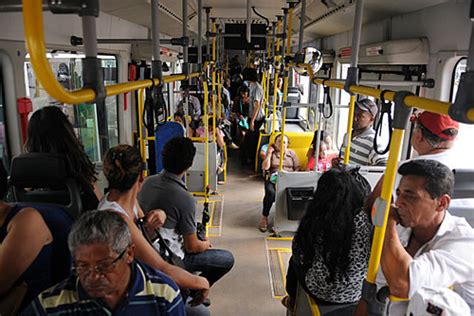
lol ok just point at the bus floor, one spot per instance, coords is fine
(247, 288)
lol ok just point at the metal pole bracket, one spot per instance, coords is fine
(352, 79)
(462, 109)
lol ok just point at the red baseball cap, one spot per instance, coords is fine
(438, 124)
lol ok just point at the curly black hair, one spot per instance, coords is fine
(328, 225)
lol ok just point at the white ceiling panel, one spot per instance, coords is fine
(320, 20)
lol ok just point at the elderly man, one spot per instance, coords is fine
(362, 151)
(430, 248)
(106, 279)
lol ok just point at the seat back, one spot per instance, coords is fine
(45, 179)
(462, 203)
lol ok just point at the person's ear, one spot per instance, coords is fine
(130, 254)
(443, 202)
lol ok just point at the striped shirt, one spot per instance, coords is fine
(150, 293)
(362, 150)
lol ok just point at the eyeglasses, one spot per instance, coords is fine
(101, 269)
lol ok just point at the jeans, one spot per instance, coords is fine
(212, 263)
(269, 198)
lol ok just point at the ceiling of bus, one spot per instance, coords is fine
(321, 20)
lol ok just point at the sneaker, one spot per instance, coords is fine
(233, 146)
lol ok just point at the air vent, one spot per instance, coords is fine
(332, 11)
(169, 12)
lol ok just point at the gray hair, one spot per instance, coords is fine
(100, 227)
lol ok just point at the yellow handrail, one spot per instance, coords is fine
(435, 106)
(34, 38)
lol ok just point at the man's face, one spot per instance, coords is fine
(416, 208)
(101, 271)
(362, 119)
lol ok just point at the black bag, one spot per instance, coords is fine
(165, 252)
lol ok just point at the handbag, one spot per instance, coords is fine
(10, 302)
(243, 123)
(165, 252)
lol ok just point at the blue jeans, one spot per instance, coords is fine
(212, 263)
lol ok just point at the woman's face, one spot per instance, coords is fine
(323, 147)
(278, 143)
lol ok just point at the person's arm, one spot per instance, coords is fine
(97, 191)
(220, 138)
(296, 161)
(369, 202)
(193, 245)
(148, 255)
(268, 157)
(27, 234)
(395, 260)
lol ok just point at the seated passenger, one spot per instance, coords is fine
(331, 248)
(167, 191)
(325, 156)
(194, 106)
(123, 168)
(49, 131)
(324, 160)
(429, 247)
(271, 164)
(33, 249)
(362, 151)
(106, 278)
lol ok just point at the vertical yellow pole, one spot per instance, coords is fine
(282, 138)
(290, 30)
(278, 43)
(219, 95)
(214, 29)
(206, 145)
(275, 97)
(141, 139)
(347, 150)
(386, 195)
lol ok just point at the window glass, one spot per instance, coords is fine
(84, 117)
(344, 99)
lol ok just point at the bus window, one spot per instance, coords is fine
(466, 131)
(84, 117)
(344, 99)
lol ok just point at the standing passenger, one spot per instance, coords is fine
(167, 191)
(256, 114)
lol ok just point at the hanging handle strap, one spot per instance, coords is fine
(328, 108)
(386, 109)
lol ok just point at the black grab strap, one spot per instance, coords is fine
(328, 108)
(385, 110)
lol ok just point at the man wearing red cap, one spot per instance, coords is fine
(433, 138)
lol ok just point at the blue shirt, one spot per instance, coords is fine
(53, 263)
(151, 292)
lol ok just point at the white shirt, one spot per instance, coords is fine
(105, 204)
(453, 161)
(446, 260)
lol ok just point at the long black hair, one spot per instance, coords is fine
(328, 225)
(49, 131)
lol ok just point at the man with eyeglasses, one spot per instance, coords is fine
(106, 279)
(362, 151)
